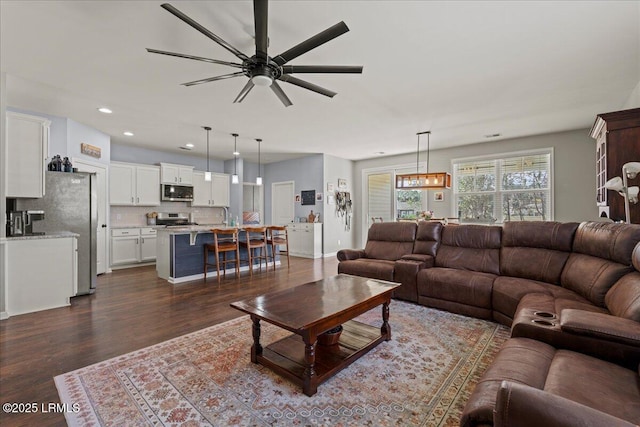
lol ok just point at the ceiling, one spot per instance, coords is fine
(463, 70)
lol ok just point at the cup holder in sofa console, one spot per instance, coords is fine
(544, 314)
(543, 322)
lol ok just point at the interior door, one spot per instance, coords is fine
(282, 199)
(101, 232)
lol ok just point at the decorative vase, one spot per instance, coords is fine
(331, 337)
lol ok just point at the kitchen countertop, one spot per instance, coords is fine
(201, 228)
(117, 227)
(49, 235)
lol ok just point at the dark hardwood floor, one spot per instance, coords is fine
(131, 309)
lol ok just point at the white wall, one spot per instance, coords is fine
(574, 172)
(335, 234)
(634, 98)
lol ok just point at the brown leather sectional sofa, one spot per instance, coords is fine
(570, 293)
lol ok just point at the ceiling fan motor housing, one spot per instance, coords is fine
(261, 73)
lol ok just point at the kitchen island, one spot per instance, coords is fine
(180, 253)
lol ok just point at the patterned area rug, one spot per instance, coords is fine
(422, 377)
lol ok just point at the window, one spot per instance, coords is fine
(512, 187)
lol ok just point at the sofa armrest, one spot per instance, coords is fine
(426, 259)
(349, 254)
(601, 326)
(519, 405)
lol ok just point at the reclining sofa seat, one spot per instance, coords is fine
(386, 243)
(572, 381)
(466, 264)
(532, 258)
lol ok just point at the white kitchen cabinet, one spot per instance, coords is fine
(51, 284)
(147, 186)
(305, 239)
(210, 193)
(148, 238)
(134, 185)
(125, 246)
(27, 150)
(176, 174)
(133, 245)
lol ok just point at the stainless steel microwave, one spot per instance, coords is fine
(177, 193)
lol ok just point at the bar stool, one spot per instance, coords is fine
(278, 236)
(224, 240)
(256, 238)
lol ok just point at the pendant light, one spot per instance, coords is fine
(234, 178)
(259, 177)
(207, 174)
(428, 180)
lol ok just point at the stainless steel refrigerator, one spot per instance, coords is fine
(71, 204)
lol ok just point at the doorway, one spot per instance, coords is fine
(282, 208)
(102, 241)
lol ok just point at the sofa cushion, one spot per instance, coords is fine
(372, 268)
(470, 247)
(509, 291)
(390, 240)
(613, 389)
(464, 287)
(610, 241)
(591, 276)
(536, 250)
(427, 237)
(623, 299)
(520, 360)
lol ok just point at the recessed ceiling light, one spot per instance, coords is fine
(127, 133)
(379, 153)
(493, 135)
(105, 110)
(189, 145)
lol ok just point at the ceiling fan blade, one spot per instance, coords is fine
(275, 87)
(293, 69)
(175, 12)
(311, 43)
(260, 15)
(244, 92)
(213, 79)
(315, 88)
(197, 58)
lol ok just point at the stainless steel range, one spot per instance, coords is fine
(175, 219)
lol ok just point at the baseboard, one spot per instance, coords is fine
(330, 255)
(123, 266)
(4, 315)
(211, 274)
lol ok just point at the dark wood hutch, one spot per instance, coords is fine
(617, 136)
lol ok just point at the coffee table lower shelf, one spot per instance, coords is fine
(286, 357)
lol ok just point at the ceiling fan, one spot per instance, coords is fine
(262, 69)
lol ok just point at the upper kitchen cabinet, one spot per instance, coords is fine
(134, 185)
(27, 150)
(213, 193)
(617, 136)
(176, 174)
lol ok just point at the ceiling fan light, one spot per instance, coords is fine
(261, 80)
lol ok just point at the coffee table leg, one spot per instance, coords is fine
(309, 381)
(385, 330)
(256, 348)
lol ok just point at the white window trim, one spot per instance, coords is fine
(498, 156)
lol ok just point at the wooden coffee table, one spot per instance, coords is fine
(308, 311)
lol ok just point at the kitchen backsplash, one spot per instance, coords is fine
(137, 215)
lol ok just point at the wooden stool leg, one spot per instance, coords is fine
(250, 261)
(218, 264)
(204, 264)
(237, 262)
